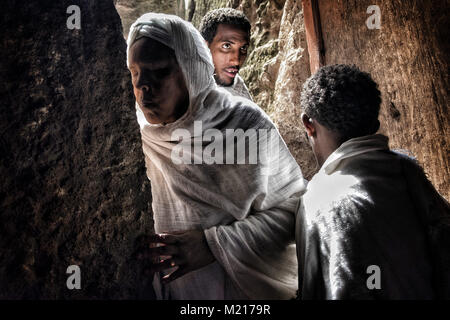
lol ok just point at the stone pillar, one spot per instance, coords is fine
(73, 186)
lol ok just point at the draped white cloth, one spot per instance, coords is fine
(245, 210)
(369, 206)
(238, 88)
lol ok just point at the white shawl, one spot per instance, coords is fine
(238, 88)
(368, 206)
(247, 214)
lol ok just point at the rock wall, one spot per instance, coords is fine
(130, 10)
(408, 57)
(74, 189)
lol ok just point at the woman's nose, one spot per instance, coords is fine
(143, 85)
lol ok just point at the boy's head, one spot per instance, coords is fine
(339, 102)
(227, 34)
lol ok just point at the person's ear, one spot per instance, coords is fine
(308, 124)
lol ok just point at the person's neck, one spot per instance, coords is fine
(329, 145)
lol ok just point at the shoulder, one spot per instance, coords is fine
(243, 112)
(336, 200)
(240, 88)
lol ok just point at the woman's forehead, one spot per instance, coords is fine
(147, 50)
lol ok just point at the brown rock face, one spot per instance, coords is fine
(130, 10)
(293, 70)
(408, 58)
(74, 189)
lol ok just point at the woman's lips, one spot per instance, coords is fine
(150, 109)
(149, 105)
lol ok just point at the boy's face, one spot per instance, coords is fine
(229, 51)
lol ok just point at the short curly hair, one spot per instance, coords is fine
(230, 16)
(344, 99)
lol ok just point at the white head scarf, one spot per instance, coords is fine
(191, 53)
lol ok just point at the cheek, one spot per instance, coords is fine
(218, 59)
(171, 92)
(179, 89)
(136, 92)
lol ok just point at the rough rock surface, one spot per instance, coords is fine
(291, 69)
(130, 10)
(74, 189)
(408, 57)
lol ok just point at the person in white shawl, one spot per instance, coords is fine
(370, 225)
(226, 229)
(227, 34)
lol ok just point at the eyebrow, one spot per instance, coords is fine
(231, 39)
(153, 65)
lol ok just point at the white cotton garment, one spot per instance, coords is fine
(245, 210)
(371, 226)
(238, 88)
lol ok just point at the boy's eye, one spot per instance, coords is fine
(226, 46)
(244, 49)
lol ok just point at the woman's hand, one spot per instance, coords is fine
(187, 250)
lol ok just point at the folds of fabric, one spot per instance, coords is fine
(238, 88)
(359, 214)
(246, 210)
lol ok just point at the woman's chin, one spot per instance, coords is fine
(153, 119)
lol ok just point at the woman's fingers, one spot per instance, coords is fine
(181, 271)
(169, 238)
(166, 264)
(165, 250)
(184, 250)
